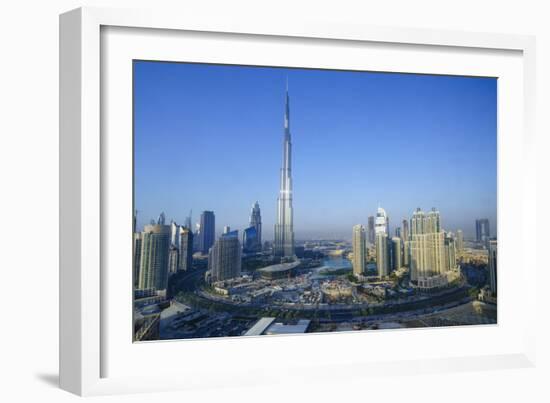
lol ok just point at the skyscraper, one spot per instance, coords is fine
(382, 223)
(186, 249)
(250, 240)
(427, 249)
(256, 221)
(405, 230)
(492, 266)
(188, 220)
(162, 219)
(224, 258)
(450, 250)
(173, 259)
(370, 229)
(382, 254)
(397, 253)
(483, 232)
(407, 253)
(174, 234)
(207, 231)
(359, 250)
(137, 257)
(283, 245)
(155, 247)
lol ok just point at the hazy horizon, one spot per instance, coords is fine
(209, 137)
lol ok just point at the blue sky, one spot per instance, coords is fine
(209, 137)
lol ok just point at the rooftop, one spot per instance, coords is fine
(280, 328)
(260, 326)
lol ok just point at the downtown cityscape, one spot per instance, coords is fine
(213, 279)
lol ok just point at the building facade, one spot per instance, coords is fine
(224, 258)
(383, 263)
(371, 231)
(250, 240)
(137, 257)
(207, 231)
(397, 253)
(430, 258)
(256, 221)
(155, 248)
(483, 231)
(359, 240)
(173, 260)
(382, 223)
(492, 266)
(405, 230)
(185, 249)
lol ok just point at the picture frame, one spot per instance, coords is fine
(86, 191)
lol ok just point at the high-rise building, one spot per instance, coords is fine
(173, 260)
(359, 250)
(137, 257)
(371, 231)
(450, 250)
(492, 266)
(256, 221)
(250, 240)
(162, 219)
(483, 232)
(186, 249)
(382, 223)
(197, 238)
(283, 245)
(188, 220)
(226, 229)
(155, 248)
(427, 248)
(174, 234)
(398, 232)
(407, 253)
(405, 230)
(224, 258)
(382, 254)
(397, 253)
(207, 231)
(459, 240)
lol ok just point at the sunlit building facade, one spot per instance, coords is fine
(382, 223)
(155, 248)
(224, 258)
(383, 257)
(429, 262)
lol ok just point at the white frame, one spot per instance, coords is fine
(80, 180)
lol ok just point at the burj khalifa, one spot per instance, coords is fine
(284, 227)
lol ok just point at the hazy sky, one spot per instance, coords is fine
(209, 137)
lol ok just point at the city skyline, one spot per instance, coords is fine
(354, 172)
(233, 285)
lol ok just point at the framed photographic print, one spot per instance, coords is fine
(280, 196)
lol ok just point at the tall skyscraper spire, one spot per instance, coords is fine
(284, 228)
